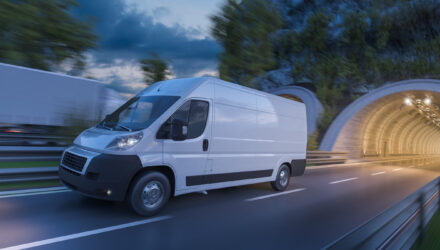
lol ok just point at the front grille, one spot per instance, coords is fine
(74, 161)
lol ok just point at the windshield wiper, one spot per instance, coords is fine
(124, 127)
(106, 127)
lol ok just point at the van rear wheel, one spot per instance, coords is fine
(283, 178)
(149, 193)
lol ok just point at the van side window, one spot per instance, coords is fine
(198, 116)
(193, 113)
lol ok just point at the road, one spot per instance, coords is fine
(316, 209)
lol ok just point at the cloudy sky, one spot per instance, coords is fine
(129, 30)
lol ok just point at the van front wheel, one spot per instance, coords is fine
(149, 193)
(283, 178)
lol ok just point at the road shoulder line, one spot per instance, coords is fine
(86, 233)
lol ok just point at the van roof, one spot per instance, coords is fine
(180, 87)
(184, 86)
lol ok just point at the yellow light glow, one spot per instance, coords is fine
(427, 101)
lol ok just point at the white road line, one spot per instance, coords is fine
(85, 234)
(349, 179)
(32, 190)
(276, 194)
(378, 173)
(34, 193)
(397, 169)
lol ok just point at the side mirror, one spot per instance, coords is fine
(179, 130)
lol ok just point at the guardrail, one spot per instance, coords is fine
(27, 153)
(326, 157)
(11, 175)
(24, 153)
(397, 227)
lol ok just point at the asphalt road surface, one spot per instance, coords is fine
(317, 208)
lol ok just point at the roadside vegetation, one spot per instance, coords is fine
(431, 239)
(338, 49)
(28, 164)
(30, 184)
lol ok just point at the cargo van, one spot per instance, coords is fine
(188, 135)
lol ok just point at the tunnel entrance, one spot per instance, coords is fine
(400, 119)
(300, 94)
(292, 97)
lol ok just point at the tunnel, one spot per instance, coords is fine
(398, 119)
(313, 105)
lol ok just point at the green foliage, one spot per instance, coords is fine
(431, 239)
(343, 48)
(312, 141)
(42, 34)
(155, 69)
(244, 29)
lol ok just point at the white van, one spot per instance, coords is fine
(188, 135)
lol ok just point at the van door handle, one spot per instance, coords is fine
(205, 144)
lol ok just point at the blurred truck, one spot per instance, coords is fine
(35, 105)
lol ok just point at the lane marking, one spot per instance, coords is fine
(345, 180)
(276, 194)
(86, 233)
(378, 173)
(32, 190)
(34, 193)
(397, 169)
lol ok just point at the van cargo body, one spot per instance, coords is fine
(188, 135)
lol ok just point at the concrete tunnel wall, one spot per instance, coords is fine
(313, 105)
(380, 124)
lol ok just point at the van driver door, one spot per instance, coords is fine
(188, 155)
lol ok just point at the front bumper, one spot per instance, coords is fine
(103, 172)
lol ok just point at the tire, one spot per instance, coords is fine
(283, 178)
(149, 193)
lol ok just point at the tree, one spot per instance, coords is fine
(43, 34)
(244, 29)
(344, 48)
(155, 69)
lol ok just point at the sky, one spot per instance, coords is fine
(128, 30)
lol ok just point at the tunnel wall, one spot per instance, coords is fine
(313, 105)
(378, 125)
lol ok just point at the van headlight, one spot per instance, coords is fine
(125, 142)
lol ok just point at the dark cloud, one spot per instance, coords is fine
(126, 33)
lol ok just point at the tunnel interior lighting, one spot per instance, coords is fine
(425, 107)
(427, 101)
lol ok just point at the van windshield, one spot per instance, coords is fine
(138, 113)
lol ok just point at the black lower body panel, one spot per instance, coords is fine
(216, 178)
(298, 167)
(107, 176)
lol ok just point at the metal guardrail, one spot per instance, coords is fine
(326, 157)
(11, 175)
(27, 153)
(397, 227)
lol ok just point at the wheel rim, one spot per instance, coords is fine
(153, 194)
(284, 177)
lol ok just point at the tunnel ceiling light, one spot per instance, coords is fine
(427, 101)
(425, 107)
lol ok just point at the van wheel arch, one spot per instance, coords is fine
(166, 170)
(288, 164)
